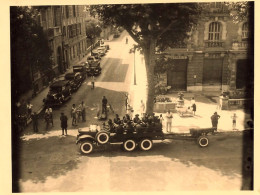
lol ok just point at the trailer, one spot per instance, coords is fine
(142, 137)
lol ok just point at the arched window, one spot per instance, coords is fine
(214, 31)
(245, 30)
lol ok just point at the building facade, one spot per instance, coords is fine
(215, 57)
(65, 30)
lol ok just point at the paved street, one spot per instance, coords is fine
(52, 163)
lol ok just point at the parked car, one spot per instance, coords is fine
(75, 80)
(102, 51)
(93, 69)
(97, 54)
(82, 69)
(59, 92)
(93, 60)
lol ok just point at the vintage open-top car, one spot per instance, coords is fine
(59, 92)
(132, 136)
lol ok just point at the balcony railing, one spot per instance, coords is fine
(239, 45)
(214, 43)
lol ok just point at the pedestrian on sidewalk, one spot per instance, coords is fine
(234, 121)
(29, 109)
(92, 83)
(169, 118)
(130, 111)
(73, 115)
(220, 101)
(34, 117)
(142, 108)
(161, 119)
(64, 123)
(49, 112)
(83, 110)
(214, 120)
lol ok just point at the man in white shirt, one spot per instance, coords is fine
(48, 111)
(169, 118)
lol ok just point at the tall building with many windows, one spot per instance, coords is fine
(215, 57)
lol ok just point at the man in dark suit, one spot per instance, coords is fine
(64, 123)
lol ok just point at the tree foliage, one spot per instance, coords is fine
(29, 48)
(93, 29)
(152, 26)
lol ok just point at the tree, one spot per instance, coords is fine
(152, 26)
(29, 48)
(93, 30)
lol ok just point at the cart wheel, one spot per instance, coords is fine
(86, 147)
(102, 137)
(145, 144)
(203, 141)
(129, 145)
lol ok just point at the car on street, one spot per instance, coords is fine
(102, 51)
(75, 80)
(132, 135)
(59, 92)
(92, 60)
(97, 54)
(93, 69)
(82, 69)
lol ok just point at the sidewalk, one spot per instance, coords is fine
(206, 105)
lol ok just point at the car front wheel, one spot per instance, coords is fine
(86, 147)
(203, 141)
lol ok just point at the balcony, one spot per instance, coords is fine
(54, 32)
(239, 45)
(214, 44)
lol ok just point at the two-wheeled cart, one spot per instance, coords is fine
(141, 137)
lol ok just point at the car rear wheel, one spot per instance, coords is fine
(203, 141)
(86, 147)
(102, 137)
(129, 145)
(145, 144)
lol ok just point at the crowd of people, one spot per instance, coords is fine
(128, 124)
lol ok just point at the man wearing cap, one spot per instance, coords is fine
(64, 124)
(137, 119)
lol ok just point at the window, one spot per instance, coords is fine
(43, 13)
(64, 31)
(214, 31)
(245, 30)
(67, 11)
(74, 10)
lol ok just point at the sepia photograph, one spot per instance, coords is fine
(132, 97)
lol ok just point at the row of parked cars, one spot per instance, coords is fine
(61, 90)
